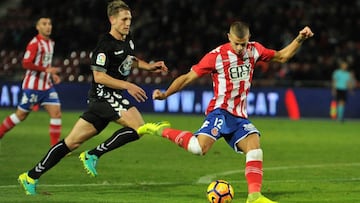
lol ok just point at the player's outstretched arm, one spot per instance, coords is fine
(157, 66)
(289, 51)
(177, 85)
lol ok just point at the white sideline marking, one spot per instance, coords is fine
(204, 179)
(211, 177)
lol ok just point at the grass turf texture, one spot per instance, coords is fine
(309, 160)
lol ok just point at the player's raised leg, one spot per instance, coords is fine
(184, 139)
(153, 128)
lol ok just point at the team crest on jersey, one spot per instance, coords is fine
(215, 132)
(132, 46)
(100, 59)
(47, 58)
(125, 66)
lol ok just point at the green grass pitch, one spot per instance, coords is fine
(310, 160)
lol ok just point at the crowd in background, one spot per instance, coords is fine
(181, 31)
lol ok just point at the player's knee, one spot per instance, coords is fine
(194, 146)
(55, 114)
(19, 116)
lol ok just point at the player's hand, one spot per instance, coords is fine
(53, 70)
(136, 92)
(159, 95)
(159, 66)
(56, 78)
(304, 34)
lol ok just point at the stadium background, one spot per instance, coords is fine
(181, 32)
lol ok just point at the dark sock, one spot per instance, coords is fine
(118, 139)
(53, 156)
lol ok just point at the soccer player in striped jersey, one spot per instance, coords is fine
(37, 85)
(231, 66)
(111, 63)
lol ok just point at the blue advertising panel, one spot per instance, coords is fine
(268, 102)
(72, 95)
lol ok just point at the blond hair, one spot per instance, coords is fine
(115, 6)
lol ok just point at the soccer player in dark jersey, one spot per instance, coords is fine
(111, 63)
(231, 66)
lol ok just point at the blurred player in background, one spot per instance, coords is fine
(342, 82)
(111, 63)
(37, 85)
(231, 66)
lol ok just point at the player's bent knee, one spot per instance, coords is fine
(194, 146)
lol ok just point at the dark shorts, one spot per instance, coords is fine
(100, 113)
(341, 95)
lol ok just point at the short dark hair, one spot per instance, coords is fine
(240, 29)
(38, 17)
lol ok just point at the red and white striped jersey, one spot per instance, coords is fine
(232, 75)
(38, 56)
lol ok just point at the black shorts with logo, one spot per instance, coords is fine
(100, 113)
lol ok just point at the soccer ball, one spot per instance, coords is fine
(220, 191)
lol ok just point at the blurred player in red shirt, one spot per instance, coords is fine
(37, 86)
